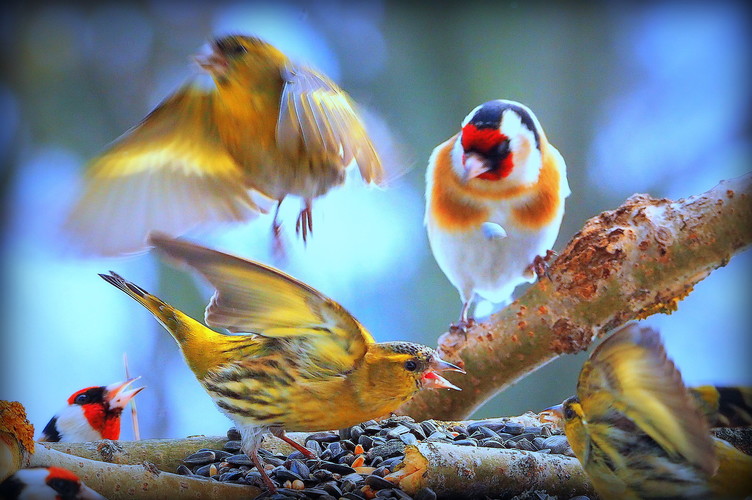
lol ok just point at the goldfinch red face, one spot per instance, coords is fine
(92, 413)
(53, 483)
(499, 144)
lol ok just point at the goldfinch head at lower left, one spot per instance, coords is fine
(46, 483)
(91, 414)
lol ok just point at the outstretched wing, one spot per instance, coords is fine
(630, 373)
(318, 118)
(254, 298)
(169, 173)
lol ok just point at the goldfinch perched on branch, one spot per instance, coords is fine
(91, 414)
(638, 431)
(267, 126)
(494, 202)
(304, 364)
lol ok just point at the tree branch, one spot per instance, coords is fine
(628, 263)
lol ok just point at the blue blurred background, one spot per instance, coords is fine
(652, 97)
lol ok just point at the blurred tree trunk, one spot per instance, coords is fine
(625, 264)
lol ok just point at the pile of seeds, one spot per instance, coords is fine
(352, 463)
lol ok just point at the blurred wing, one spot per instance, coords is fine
(169, 173)
(631, 372)
(316, 113)
(253, 298)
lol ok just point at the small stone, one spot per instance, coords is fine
(389, 449)
(425, 494)
(557, 444)
(524, 444)
(466, 442)
(429, 427)
(240, 459)
(408, 438)
(378, 482)
(200, 458)
(314, 446)
(538, 443)
(492, 443)
(397, 432)
(514, 428)
(324, 437)
(203, 470)
(337, 468)
(232, 446)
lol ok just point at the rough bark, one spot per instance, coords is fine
(625, 264)
(469, 472)
(138, 481)
(164, 454)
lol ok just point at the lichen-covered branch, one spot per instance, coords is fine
(164, 454)
(143, 481)
(473, 472)
(625, 264)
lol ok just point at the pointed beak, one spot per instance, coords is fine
(474, 165)
(117, 397)
(212, 61)
(432, 380)
(552, 415)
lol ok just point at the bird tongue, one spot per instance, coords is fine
(117, 397)
(432, 380)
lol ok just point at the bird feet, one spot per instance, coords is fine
(540, 265)
(462, 326)
(304, 225)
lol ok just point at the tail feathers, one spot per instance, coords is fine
(725, 406)
(173, 320)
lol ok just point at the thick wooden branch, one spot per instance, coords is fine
(470, 472)
(625, 264)
(142, 481)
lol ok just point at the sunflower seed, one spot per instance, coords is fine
(200, 458)
(378, 482)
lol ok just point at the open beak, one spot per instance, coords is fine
(475, 165)
(432, 380)
(117, 397)
(552, 415)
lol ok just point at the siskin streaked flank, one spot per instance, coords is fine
(303, 363)
(638, 431)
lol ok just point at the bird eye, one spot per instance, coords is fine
(568, 413)
(411, 365)
(232, 47)
(81, 399)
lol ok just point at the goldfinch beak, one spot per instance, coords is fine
(474, 165)
(117, 397)
(432, 380)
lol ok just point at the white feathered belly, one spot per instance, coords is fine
(490, 268)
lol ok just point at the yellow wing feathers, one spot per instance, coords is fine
(203, 348)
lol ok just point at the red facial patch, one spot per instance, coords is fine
(430, 376)
(482, 140)
(499, 173)
(60, 473)
(75, 394)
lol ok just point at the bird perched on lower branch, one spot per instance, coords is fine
(46, 483)
(91, 414)
(638, 431)
(494, 202)
(303, 364)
